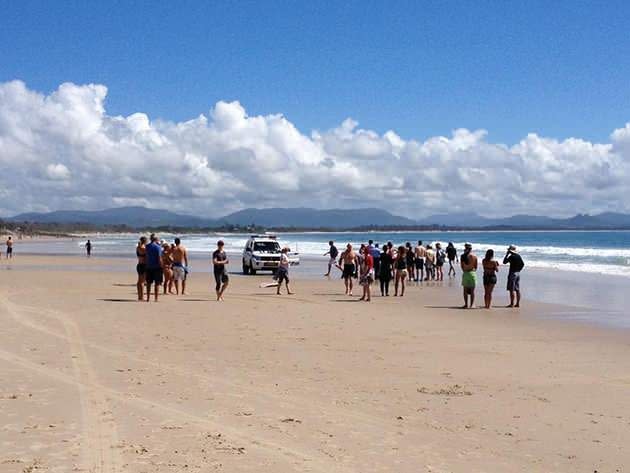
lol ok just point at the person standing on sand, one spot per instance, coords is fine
(9, 248)
(451, 253)
(429, 263)
(411, 261)
(179, 255)
(154, 270)
(385, 270)
(514, 275)
(348, 262)
(376, 256)
(400, 266)
(468, 263)
(333, 252)
(219, 263)
(490, 269)
(88, 248)
(283, 270)
(420, 255)
(141, 267)
(167, 268)
(440, 256)
(367, 274)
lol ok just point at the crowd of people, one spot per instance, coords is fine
(406, 263)
(166, 264)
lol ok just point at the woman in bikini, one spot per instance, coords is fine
(141, 266)
(490, 269)
(167, 268)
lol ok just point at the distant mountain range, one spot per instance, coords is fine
(305, 218)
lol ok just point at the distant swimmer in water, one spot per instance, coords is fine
(348, 262)
(490, 269)
(400, 265)
(468, 263)
(179, 254)
(219, 263)
(141, 267)
(332, 252)
(514, 275)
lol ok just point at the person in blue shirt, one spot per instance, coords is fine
(153, 261)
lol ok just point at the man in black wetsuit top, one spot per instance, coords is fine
(219, 261)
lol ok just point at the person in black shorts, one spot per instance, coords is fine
(514, 275)
(490, 269)
(219, 262)
(141, 267)
(333, 252)
(153, 261)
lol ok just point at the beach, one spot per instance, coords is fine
(95, 381)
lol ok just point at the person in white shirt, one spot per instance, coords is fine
(283, 270)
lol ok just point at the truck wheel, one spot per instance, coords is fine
(245, 268)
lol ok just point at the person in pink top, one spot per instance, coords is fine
(367, 274)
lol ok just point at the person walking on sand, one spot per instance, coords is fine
(9, 244)
(400, 265)
(348, 262)
(385, 270)
(283, 270)
(332, 252)
(451, 253)
(514, 275)
(141, 267)
(219, 263)
(420, 256)
(154, 269)
(490, 269)
(468, 263)
(367, 274)
(179, 255)
(88, 248)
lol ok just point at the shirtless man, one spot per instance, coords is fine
(9, 248)
(348, 262)
(420, 255)
(468, 263)
(180, 265)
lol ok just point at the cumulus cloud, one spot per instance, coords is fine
(63, 150)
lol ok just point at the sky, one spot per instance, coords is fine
(420, 107)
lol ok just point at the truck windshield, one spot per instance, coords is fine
(267, 246)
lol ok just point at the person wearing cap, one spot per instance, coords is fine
(283, 270)
(514, 275)
(468, 262)
(219, 262)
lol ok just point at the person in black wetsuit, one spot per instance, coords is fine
(385, 270)
(514, 275)
(219, 261)
(88, 248)
(451, 254)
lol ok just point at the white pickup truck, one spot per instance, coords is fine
(262, 252)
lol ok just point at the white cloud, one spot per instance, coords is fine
(63, 150)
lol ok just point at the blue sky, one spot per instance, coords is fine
(559, 69)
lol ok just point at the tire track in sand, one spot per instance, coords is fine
(99, 447)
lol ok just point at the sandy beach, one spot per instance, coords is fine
(94, 381)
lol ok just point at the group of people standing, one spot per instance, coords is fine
(422, 263)
(160, 264)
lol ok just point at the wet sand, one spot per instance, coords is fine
(95, 381)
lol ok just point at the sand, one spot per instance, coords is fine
(94, 381)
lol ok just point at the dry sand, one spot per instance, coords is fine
(94, 381)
